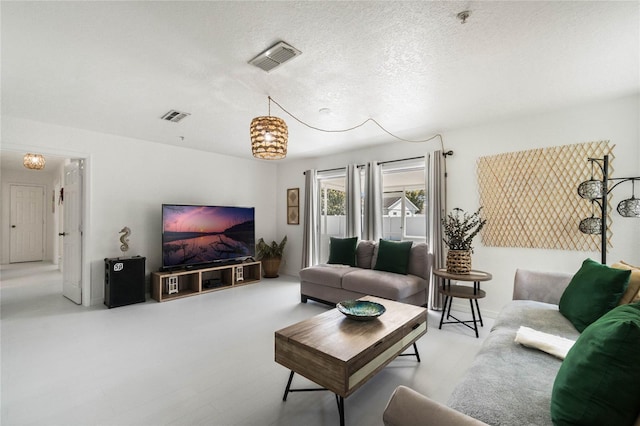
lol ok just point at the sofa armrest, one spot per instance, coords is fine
(544, 287)
(409, 408)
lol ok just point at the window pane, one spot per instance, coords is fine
(332, 212)
(404, 203)
(392, 220)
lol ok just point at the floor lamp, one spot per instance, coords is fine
(597, 191)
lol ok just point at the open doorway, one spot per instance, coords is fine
(34, 241)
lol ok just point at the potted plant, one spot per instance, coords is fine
(270, 255)
(459, 230)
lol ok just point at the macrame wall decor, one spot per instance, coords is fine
(529, 198)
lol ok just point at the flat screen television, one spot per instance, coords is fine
(195, 235)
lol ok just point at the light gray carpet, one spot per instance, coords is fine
(201, 360)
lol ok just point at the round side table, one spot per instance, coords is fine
(463, 292)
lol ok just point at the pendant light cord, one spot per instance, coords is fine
(438, 135)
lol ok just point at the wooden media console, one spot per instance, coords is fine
(177, 284)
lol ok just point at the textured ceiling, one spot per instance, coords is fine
(116, 67)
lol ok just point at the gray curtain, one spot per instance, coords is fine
(372, 228)
(437, 207)
(352, 207)
(311, 234)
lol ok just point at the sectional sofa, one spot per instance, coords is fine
(510, 384)
(332, 283)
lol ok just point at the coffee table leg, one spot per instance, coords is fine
(340, 401)
(286, 390)
(416, 354)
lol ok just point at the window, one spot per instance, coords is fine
(331, 190)
(404, 201)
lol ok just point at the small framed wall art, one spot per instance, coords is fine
(293, 206)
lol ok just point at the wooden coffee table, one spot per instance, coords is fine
(341, 354)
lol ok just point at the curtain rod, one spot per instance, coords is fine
(362, 165)
(402, 159)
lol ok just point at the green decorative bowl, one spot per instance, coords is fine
(360, 310)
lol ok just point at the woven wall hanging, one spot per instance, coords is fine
(530, 198)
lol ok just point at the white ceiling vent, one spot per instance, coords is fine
(175, 116)
(275, 56)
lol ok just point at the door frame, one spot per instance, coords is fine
(86, 206)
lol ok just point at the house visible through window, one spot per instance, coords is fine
(404, 201)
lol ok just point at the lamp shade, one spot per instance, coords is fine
(591, 189)
(269, 136)
(591, 225)
(629, 207)
(34, 161)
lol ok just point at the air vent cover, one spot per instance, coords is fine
(175, 116)
(275, 56)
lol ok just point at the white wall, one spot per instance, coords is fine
(129, 179)
(616, 120)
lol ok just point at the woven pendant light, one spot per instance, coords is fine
(34, 161)
(269, 137)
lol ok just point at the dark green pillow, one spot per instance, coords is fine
(598, 381)
(342, 251)
(393, 256)
(593, 291)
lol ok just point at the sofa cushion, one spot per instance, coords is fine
(597, 383)
(632, 293)
(342, 251)
(364, 253)
(329, 275)
(493, 390)
(539, 316)
(419, 260)
(393, 256)
(542, 286)
(384, 284)
(593, 291)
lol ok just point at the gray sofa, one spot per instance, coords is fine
(507, 384)
(333, 283)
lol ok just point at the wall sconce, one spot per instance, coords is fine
(597, 191)
(33, 161)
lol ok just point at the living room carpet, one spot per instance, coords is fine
(204, 360)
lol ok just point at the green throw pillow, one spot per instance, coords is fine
(593, 291)
(393, 256)
(597, 383)
(342, 251)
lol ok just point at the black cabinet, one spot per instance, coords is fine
(124, 281)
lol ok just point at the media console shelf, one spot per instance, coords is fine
(177, 284)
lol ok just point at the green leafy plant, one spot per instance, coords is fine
(460, 228)
(270, 251)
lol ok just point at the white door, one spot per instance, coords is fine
(27, 224)
(72, 232)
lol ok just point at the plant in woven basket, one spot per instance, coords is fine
(460, 228)
(270, 255)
